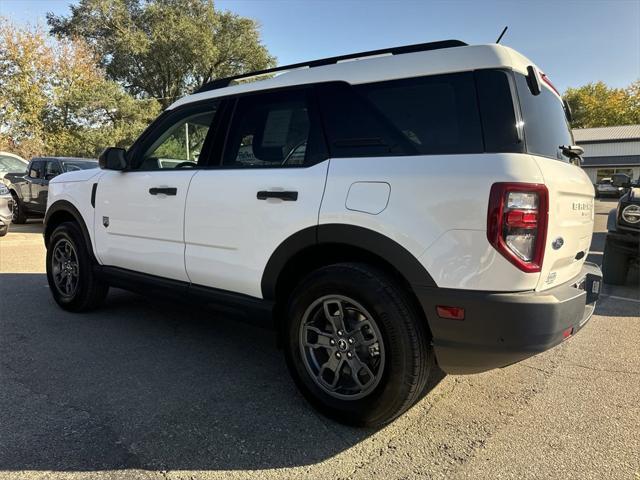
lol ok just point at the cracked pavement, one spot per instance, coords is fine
(145, 389)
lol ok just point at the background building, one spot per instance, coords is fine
(609, 150)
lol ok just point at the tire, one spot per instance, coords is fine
(399, 363)
(87, 291)
(18, 214)
(615, 264)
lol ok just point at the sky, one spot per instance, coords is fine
(574, 42)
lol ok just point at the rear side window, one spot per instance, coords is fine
(545, 122)
(273, 130)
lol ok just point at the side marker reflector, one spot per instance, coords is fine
(450, 313)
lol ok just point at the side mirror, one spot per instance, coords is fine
(113, 158)
(621, 180)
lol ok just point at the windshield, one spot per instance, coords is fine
(10, 164)
(70, 166)
(545, 121)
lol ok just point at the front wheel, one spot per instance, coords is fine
(355, 345)
(72, 280)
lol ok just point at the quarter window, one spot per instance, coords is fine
(437, 114)
(417, 116)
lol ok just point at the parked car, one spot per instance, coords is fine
(6, 205)
(322, 200)
(10, 163)
(606, 188)
(29, 189)
(622, 244)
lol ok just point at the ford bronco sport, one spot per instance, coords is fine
(321, 197)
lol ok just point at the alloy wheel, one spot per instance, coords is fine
(341, 347)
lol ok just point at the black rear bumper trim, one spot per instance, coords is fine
(500, 329)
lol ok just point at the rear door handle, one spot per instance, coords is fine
(287, 196)
(163, 190)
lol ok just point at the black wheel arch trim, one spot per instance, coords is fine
(67, 207)
(342, 234)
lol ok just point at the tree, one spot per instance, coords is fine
(597, 105)
(55, 100)
(164, 48)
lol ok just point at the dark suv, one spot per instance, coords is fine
(30, 189)
(622, 244)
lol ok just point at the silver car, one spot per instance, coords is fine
(6, 204)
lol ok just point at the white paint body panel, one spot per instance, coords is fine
(571, 216)
(145, 232)
(230, 234)
(437, 210)
(75, 187)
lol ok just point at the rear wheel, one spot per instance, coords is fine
(72, 281)
(615, 264)
(18, 214)
(355, 346)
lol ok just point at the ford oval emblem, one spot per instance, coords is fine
(557, 243)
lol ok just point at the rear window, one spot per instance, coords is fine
(545, 122)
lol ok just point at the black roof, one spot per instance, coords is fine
(418, 47)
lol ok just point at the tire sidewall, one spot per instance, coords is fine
(70, 232)
(390, 317)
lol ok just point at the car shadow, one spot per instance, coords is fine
(32, 226)
(146, 383)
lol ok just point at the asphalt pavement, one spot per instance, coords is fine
(144, 388)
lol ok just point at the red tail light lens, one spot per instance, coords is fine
(517, 223)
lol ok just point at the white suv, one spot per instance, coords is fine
(389, 210)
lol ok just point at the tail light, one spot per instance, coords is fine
(517, 223)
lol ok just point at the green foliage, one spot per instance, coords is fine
(164, 48)
(596, 105)
(55, 100)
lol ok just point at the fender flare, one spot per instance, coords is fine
(612, 220)
(67, 207)
(343, 234)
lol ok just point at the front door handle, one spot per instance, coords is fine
(287, 196)
(163, 190)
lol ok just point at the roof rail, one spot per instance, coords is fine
(418, 47)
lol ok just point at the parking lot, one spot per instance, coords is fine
(146, 389)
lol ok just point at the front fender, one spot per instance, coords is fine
(612, 224)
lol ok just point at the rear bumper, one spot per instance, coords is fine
(500, 329)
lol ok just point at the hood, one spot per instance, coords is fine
(76, 176)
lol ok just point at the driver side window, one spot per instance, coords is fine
(180, 144)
